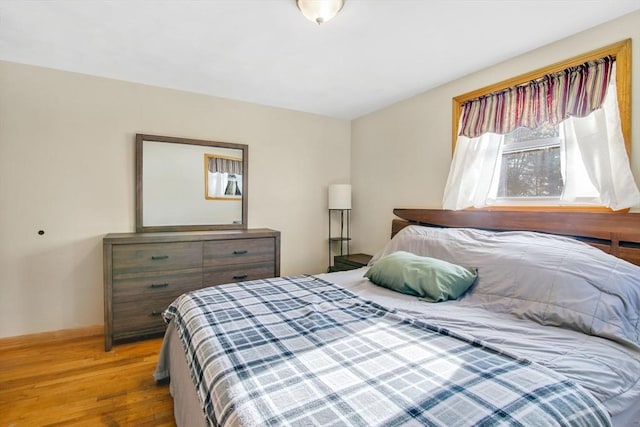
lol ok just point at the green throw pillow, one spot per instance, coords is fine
(429, 278)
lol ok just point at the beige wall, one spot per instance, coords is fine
(67, 167)
(400, 155)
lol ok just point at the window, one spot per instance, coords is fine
(555, 137)
(530, 166)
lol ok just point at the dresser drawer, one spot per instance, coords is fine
(239, 251)
(237, 273)
(140, 317)
(147, 285)
(156, 257)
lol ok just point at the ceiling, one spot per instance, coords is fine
(374, 53)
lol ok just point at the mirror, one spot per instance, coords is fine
(188, 184)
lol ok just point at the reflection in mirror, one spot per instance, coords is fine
(223, 177)
(173, 194)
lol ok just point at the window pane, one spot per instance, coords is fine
(524, 136)
(531, 164)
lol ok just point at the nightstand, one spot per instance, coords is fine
(350, 262)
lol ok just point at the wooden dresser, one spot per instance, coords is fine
(145, 272)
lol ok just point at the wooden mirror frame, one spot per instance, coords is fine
(141, 227)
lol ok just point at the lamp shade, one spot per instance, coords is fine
(340, 196)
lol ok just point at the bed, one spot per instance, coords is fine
(547, 332)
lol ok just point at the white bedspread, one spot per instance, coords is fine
(610, 371)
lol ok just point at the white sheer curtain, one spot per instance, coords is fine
(595, 164)
(472, 170)
(218, 182)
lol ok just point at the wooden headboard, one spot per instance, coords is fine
(615, 233)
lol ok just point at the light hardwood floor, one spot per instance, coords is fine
(73, 382)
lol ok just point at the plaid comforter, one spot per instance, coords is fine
(302, 351)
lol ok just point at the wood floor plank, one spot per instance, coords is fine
(74, 382)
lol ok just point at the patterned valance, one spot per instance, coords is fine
(224, 164)
(575, 91)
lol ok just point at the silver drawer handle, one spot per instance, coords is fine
(156, 313)
(159, 285)
(159, 257)
(240, 276)
(240, 252)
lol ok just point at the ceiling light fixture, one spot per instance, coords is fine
(319, 11)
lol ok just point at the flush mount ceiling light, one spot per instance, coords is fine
(319, 11)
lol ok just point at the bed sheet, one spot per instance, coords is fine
(610, 371)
